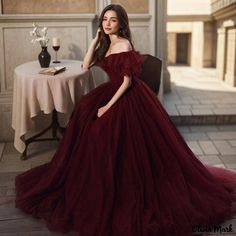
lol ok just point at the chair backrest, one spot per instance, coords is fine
(151, 72)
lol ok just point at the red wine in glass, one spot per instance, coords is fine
(56, 48)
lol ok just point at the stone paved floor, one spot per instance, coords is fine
(215, 145)
(198, 92)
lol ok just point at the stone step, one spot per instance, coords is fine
(204, 119)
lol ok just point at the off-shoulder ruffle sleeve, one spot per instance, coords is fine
(128, 63)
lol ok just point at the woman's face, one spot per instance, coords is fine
(110, 23)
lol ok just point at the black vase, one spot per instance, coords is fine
(44, 58)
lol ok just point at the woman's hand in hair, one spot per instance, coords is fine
(89, 55)
(98, 34)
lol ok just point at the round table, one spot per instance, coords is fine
(34, 92)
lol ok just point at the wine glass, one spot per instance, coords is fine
(56, 46)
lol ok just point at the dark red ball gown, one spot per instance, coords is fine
(127, 173)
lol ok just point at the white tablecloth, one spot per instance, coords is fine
(34, 92)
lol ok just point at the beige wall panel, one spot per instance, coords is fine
(73, 46)
(48, 6)
(179, 27)
(133, 6)
(141, 38)
(188, 7)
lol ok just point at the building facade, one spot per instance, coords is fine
(224, 14)
(190, 32)
(202, 34)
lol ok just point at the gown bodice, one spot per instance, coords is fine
(117, 65)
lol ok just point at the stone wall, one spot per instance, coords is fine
(48, 6)
(137, 6)
(189, 7)
(217, 5)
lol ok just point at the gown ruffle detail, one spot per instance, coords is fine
(127, 173)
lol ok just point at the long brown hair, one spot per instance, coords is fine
(124, 31)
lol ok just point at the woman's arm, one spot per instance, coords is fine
(89, 55)
(123, 46)
(124, 86)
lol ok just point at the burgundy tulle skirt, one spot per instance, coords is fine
(127, 173)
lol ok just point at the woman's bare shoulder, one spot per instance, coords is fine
(123, 45)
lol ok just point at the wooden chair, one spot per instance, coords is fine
(151, 72)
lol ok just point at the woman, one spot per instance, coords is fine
(122, 168)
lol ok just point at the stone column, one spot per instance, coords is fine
(101, 4)
(171, 48)
(197, 44)
(209, 44)
(161, 44)
(220, 60)
(230, 69)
